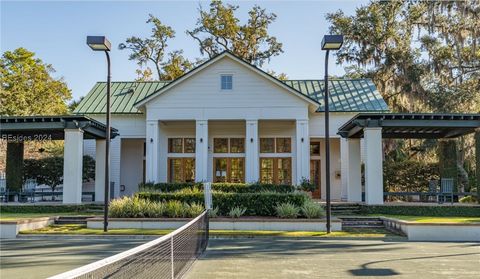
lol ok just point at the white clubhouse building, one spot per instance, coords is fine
(228, 121)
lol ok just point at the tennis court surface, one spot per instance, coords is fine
(41, 258)
(320, 258)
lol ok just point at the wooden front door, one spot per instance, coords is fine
(315, 177)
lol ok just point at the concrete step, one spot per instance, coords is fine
(361, 222)
(72, 220)
(363, 227)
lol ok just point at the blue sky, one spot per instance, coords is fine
(56, 31)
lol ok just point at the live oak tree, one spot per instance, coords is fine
(219, 29)
(422, 55)
(27, 88)
(153, 51)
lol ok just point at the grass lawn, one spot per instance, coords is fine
(432, 219)
(23, 216)
(82, 230)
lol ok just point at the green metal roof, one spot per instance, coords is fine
(123, 96)
(346, 95)
(356, 95)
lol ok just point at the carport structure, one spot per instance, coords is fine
(372, 127)
(73, 130)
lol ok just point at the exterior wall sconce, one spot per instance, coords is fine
(251, 139)
(302, 139)
(201, 139)
(151, 140)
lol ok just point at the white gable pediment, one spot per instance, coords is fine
(252, 92)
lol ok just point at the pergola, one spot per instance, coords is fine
(73, 130)
(375, 126)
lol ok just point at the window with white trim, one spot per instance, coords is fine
(226, 82)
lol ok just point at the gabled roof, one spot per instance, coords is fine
(355, 95)
(216, 58)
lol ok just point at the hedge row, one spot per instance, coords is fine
(220, 187)
(447, 211)
(257, 204)
(43, 208)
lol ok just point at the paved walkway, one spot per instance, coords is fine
(41, 258)
(296, 258)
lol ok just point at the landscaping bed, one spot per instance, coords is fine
(233, 224)
(10, 229)
(432, 219)
(431, 231)
(422, 210)
(82, 230)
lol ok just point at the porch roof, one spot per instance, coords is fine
(412, 125)
(54, 126)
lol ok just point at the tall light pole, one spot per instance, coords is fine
(100, 43)
(329, 42)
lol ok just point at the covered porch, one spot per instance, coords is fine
(373, 127)
(17, 130)
(228, 150)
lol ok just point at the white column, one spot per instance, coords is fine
(373, 166)
(100, 170)
(72, 166)
(151, 156)
(302, 142)
(354, 174)
(252, 171)
(115, 158)
(201, 150)
(344, 169)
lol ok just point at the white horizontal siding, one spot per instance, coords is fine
(128, 125)
(252, 96)
(317, 123)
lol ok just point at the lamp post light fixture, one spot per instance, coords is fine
(329, 42)
(100, 43)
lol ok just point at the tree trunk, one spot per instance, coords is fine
(14, 168)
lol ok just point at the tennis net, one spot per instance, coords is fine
(169, 256)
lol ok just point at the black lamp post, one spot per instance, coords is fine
(329, 42)
(100, 43)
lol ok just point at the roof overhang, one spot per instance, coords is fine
(412, 125)
(51, 127)
(312, 102)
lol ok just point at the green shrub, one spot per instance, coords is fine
(252, 188)
(287, 210)
(176, 209)
(412, 210)
(128, 207)
(468, 199)
(219, 187)
(195, 209)
(312, 210)
(236, 212)
(256, 204)
(212, 213)
(157, 210)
